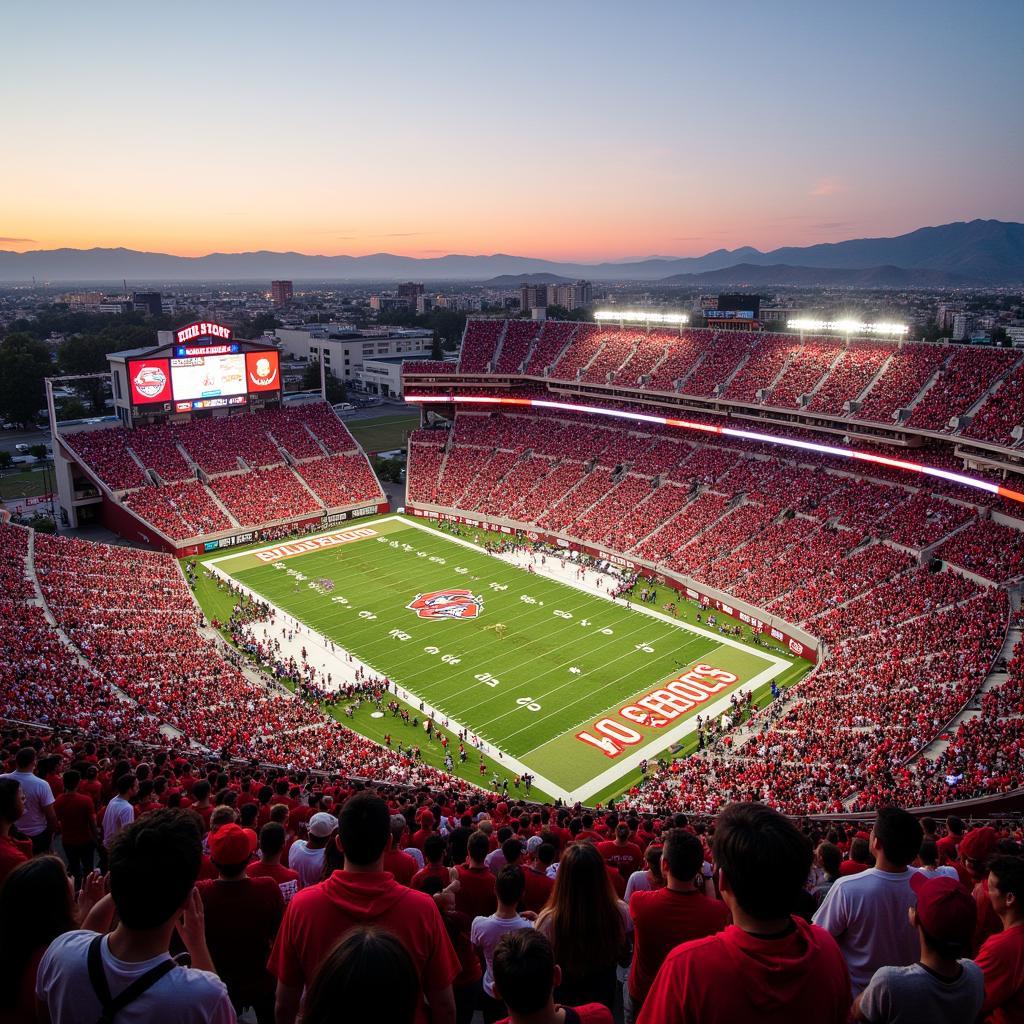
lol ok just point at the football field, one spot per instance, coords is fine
(569, 685)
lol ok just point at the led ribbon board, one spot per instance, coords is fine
(747, 435)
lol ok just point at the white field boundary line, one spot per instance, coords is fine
(606, 778)
(507, 761)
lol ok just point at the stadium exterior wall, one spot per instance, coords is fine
(797, 640)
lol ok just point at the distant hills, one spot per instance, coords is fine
(978, 252)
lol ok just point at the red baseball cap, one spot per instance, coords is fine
(231, 844)
(979, 843)
(945, 910)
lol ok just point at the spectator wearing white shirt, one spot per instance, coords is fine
(930, 867)
(867, 913)
(39, 820)
(120, 812)
(84, 976)
(306, 856)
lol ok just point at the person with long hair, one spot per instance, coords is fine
(368, 976)
(13, 851)
(36, 905)
(587, 925)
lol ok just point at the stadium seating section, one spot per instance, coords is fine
(209, 475)
(836, 552)
(937, 384)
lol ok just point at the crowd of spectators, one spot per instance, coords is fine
(180, 510)
(1001, 412)
(807, 368)
(967, 376)
(849, 377)
(265, 495)
(479, 344)
(300, 893)
(520, 336)
(341, 479)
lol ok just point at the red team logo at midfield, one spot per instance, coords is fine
(447, 604)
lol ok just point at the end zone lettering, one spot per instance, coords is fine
(301, 547)
(658, 708)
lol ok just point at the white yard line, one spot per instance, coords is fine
(343, 665)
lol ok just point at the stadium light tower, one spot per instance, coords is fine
(847, 327)
(641, 316)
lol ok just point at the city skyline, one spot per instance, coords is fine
(589, 133)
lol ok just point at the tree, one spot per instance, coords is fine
(311, 382)
(436, 351)
(6, 460)
(999, 336)
(38, 450)
(24, 363)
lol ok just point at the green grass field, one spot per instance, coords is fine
(23, 484)
(382, 433)
(538, 669)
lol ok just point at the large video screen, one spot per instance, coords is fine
(208, 377)
(149, 381)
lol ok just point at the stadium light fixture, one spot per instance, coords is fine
(640, 316)
(747, 435)
(847, 327)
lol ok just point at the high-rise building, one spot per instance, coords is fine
(533, 296)
(148, 302)
(571, 296)
(281, 292)
(410, 291)
(963, 324)
(944, 316)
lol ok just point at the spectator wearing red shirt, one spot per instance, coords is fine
(526, 976)
(424, 832)
(78, 831)
(976, 850)
(768, 966)
(272, 837)
(859, 860)
(362, 893)
(476, 896)
(433, 850)
(242, 917)
(538, 885)
(396, 860)
(623, 855)
(12, 806)
(950, 842)
(663, 918)
(1001, 959)
(367, 963)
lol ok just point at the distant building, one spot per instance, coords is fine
(343, 349)
(1016, 335)
(384, 303)
(83, 300)
(944, 316)
(150, 303)
(424, 304)
(410, 291)
(116, 304)
(533, 296)
(570, 296)
(281, 292)
(963, 326)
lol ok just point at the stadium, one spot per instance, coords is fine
(639, 568)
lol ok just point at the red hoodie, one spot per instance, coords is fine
(735, 977)
(319, 915)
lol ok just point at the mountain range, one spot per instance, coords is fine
(971, 253)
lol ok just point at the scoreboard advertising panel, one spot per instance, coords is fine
(206, 370)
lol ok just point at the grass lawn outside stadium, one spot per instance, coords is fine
(546, 673)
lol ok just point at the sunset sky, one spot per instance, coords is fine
(597, 130)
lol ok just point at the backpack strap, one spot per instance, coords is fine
(97, 976)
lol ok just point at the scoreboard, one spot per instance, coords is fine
(205, 370)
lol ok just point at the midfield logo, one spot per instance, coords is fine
(447, 604)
